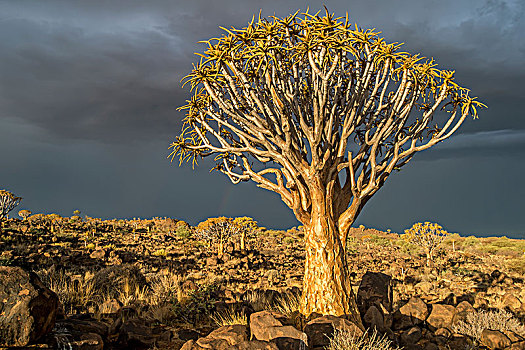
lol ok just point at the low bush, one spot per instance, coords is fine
(478, 321)
(347, 340)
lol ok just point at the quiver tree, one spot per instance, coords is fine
(8, 202)
(217, 231)
(320, 112)
(24, 214)
(429, 236)
(246, 227)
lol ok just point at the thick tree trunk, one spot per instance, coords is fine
(326, 284)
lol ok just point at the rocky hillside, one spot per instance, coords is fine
(155, 284)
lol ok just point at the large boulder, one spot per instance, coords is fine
(266, 326)
(463, 309)
(375, 289)
(441, 317)
(411, 314)
(28, 308)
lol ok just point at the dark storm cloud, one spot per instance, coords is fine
(88, 92)
(111, 71)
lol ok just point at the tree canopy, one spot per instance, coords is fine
(315, 95)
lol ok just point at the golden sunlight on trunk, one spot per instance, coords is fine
(326, 284)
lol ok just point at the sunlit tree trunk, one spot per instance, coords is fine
(243, 241)
(326, 285)
(220, 248)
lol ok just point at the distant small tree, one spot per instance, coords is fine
(246, 226)
(217, 231)
(427, 235)
(24, 214)
(54, 222)
(8, 201)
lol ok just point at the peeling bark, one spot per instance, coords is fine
(326, 285)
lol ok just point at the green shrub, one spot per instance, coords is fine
(183, 232)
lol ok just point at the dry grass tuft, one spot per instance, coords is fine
(75, 293)
(167, 287)
(286, 304)
(230, 317)
(161, 313)
(478, 321)
(346, 340)
(132, 294)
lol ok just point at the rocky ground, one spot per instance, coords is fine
(152, 288)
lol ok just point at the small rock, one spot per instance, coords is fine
(98, 254)
(255, 345)
(440, 317)
(230, 334)
(460, 341)
(514, 338)
(443, 332)
(212, 261)
(411, 336)
(424, 287)
(87, 341)
(136, 334)
(494, 339)
(226, 337)
(431, 346)
(188, 334)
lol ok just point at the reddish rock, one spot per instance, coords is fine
(411, 314)
(440, 317)
(320, 329)
(494, 340)
(511, 301)
(28, 309)
(98, 254)
(226, 337)
(265, 326)
(463, 309)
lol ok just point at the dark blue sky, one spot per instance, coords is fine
(88, 92)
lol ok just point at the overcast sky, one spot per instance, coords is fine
(89, 91)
